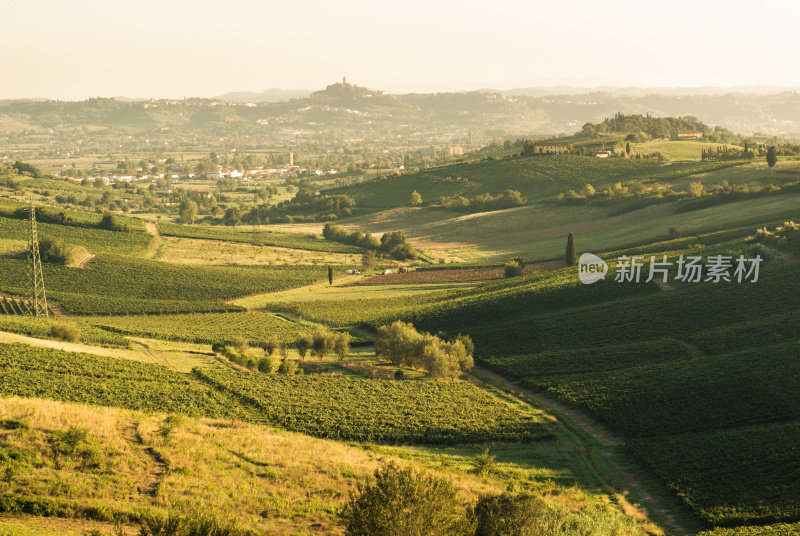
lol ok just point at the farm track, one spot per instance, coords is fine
(150, 483)
(672, 515)
(288, 292)
(156, 244)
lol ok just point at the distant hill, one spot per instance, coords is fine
(647, 126)
(635, 91)
(270, 95)
(358, 112)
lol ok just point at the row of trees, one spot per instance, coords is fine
(393, 243)
(482, 202)
(321, 343)
(403, 345)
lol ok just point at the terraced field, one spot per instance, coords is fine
(254, 327)
(32, 372)
(118, 285)
(381, 410)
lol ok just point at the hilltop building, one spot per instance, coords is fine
(690, 134)
(552, 147)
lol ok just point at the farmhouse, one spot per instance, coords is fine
(690, 134)
(602, 153)
(552, 147)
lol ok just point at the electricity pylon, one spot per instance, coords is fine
(38, 300)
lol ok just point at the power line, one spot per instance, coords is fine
(38, 300)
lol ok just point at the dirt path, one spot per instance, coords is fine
(134, 355)
(155, 245)
(288, 292)
(151, 480)
(84, 261)
(152, 228)
(673, 515)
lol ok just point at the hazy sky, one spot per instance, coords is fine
(71, 49)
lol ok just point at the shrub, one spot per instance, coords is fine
(512, 269)
(67, 442)
(287, 367)
(198, 525)
(401, 501)
(54, 251)
(65, 332)
(322, 343)
(111, 222)
(510, 515)
(303, 344)
(341, 345)
(267, 364)
(483, 463)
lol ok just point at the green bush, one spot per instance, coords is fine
(401, 501)
(483, 463)
(509, 515)
(65, 332)
(287, 367)
(54, 251)
(110, 222)
(512, 269)
(267, 365)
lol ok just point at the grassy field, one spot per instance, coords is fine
(539, 232)
(271, 481)
(253, 327)
(677, 150)
(536, 178)
(212, 252)
(148, 286)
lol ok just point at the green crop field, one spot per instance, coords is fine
(701, 388)
(778, 529)
(258, 238)
(536, 178)
(678, 150)
(736, 476)
(381, 410)
(253, 327)
(117, 285)
(28, 371)
(94, 240)
(41, 328)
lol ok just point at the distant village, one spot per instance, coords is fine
(289, 170)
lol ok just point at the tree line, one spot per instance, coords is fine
(393, 243)
(403, 345)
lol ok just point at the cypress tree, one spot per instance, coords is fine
(772, 158)
(571, 256)
(330, 275)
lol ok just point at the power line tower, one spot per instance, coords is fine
(38, 301)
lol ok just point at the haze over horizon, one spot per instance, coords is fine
(78, 49)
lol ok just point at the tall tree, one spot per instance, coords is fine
(772, 158)
(188, 211)
(571, 256)
(330, 275)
